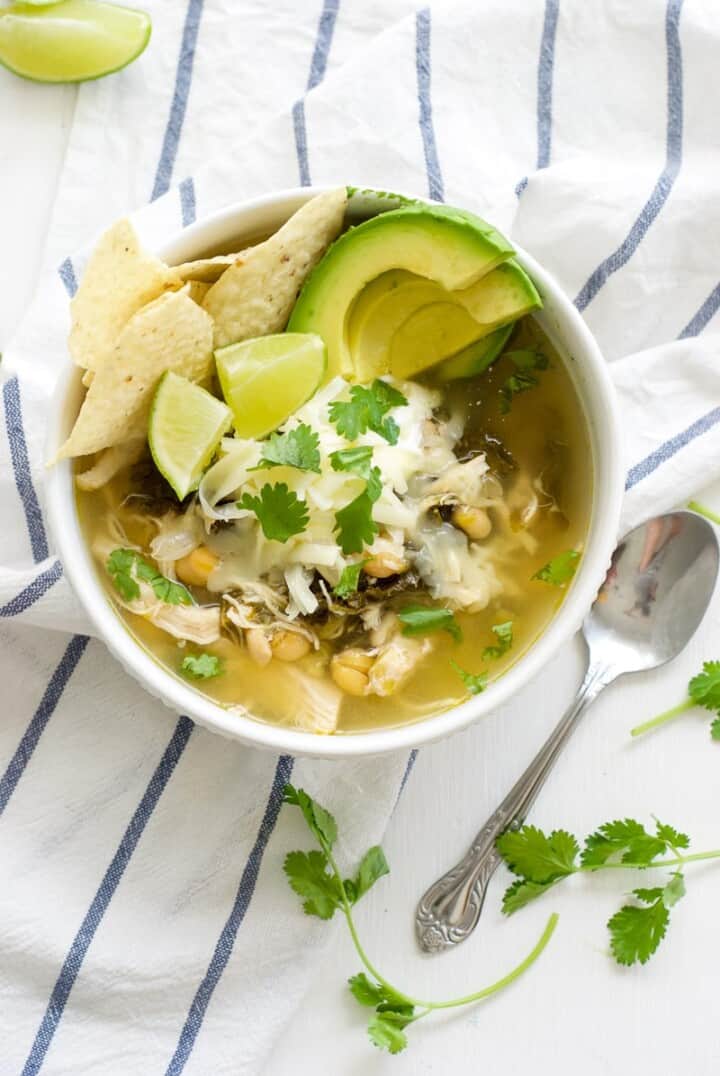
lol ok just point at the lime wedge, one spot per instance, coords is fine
(264, 380)
(186, 424)
(72, 40)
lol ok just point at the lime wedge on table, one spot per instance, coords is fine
(186, 424)
(72, 40)
(265, 379)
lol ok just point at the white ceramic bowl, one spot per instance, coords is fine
(561, 322)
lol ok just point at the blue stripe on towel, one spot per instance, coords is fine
(33, 591)
(423, 68)
(318, 67)
(707, 311)
(178, 105)
(67, 275)
(32, 734)
(545, 83)
(188, 206)
(673, 160)
(226, 941)
(671, 448)
(86, 933)
(21, 469)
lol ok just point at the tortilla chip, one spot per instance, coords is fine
(120, 278)
(197, 290)
(109, 462)
(207, 270)
(255, 296)
(171, 333)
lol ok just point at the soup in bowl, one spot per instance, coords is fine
(338, 473)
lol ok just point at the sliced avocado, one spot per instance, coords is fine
(475, 358)
(446, 245)
(391, 331)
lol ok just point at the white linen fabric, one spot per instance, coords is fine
(145, 925)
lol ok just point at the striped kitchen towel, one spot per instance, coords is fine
(145, 924)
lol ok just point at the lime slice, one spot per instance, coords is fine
(264, 380)
(186, 424)
(72, 40)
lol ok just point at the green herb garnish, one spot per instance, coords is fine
(126, 566)
(296, 448)
(526, 362)
(349, 579)
(356, 459)
(703, 690)
(201, 666)
(423, 619)
(560, 570)
(504, 634)
(280, 512)
(354, 523)
(316, 878)
(474, 682)
(366, 410)
(542, 860)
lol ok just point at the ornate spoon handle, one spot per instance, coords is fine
(450, 909)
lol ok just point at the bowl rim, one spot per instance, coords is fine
(601, 415)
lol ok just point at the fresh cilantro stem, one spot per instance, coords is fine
(676, 861)
(428, 1006)
(701, 510)
(663, 718)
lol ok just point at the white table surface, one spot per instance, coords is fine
(576, 1012)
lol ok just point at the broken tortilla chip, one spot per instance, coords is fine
(120, 278)
(255, 296)
(170, 333)
(109, 462)
(206, 270)
(197, 290)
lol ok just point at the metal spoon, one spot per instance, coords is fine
(654, 596)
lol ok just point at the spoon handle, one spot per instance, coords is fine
(448, 912)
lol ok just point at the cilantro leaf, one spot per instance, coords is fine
(280, 512)
(636, 932)
(423, 619)
(704, 688)
(673, 839)
(624, 836)
(307, 873)
(373, 866)
(474, 682)
(201, 666)
(715, 728)
(385, 1031)
(522, 892)
(526, 362)
(674, 890)
(349, 579)
(354, 523)
(296, 448)
(560, 570)
(123, 562)
(504, 633)
(536, 856)
(366, 410)
(356, 459)
(365, 991)
(321, 823)
(119, 565)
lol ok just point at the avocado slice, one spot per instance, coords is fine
(449, 246)
(475, 358)
(402, 323)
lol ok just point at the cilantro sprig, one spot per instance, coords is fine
(477, 682)
(559, 571)
(349, 579)
(526, 362)
(279, 510)
(703, 690)
(127, 566)
(367, 409)
(201, 666)
(354, 523)
(316, 878)
(541, 860)
(297, 448)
